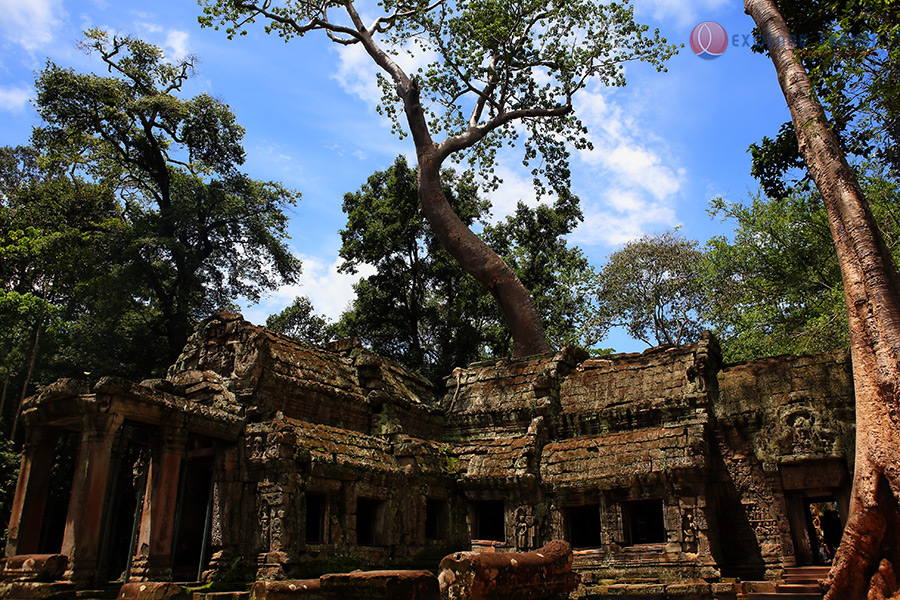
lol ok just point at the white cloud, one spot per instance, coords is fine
(15, 99)
(641, 178)
(330, 292)
(517, 186)
(680, 12)
(177, 44)
(619, 217)
(148, 26)
(30, 23)
(357, 72)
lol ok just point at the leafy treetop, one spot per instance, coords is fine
(493, 63)
(195, 232)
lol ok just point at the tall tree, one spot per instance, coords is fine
(199, 232)
(560, 279)
(418, 307)
(652, 288)
(866, 561)
(500, 67)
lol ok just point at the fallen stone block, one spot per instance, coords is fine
(381, 585)
(33, 567)
(543, 574)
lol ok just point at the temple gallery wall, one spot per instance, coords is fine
(259, 457)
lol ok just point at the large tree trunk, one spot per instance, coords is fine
(870, 549)
(472, 254)
(480, 261)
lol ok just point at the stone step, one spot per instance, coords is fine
(805, 575)
(798, 588)
(807, 571)
(782, 596)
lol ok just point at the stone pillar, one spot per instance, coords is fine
(88, 502)
(31, 492)
(153, 560)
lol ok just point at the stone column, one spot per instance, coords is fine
(153, 560)
(31, 491)
(88, 502)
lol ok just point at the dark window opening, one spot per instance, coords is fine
(583, 526)
(367, 513)
(436, 517)
(315, 518)
(643, 520)
(489, 520)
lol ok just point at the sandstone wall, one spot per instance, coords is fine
(661, 465)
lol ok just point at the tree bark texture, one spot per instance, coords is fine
(480, 261)
(869, 554)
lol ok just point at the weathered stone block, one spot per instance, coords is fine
(33, 567)
(545, 573)
(688, 590)
(32, 590)
(152, 590)
(381, 585)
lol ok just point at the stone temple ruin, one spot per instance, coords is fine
(260, 458)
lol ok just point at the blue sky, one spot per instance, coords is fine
(664, 145)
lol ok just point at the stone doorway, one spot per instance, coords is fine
(488, 520)
(643, 522)
(817, 494)
(126, 492)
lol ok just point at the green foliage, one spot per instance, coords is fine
(494, 62)
(420, 307)
(775, 288)
(9, 473)
(560, 279)
(300, 322)
(128, 220)
(851, 50)
(651, 287)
